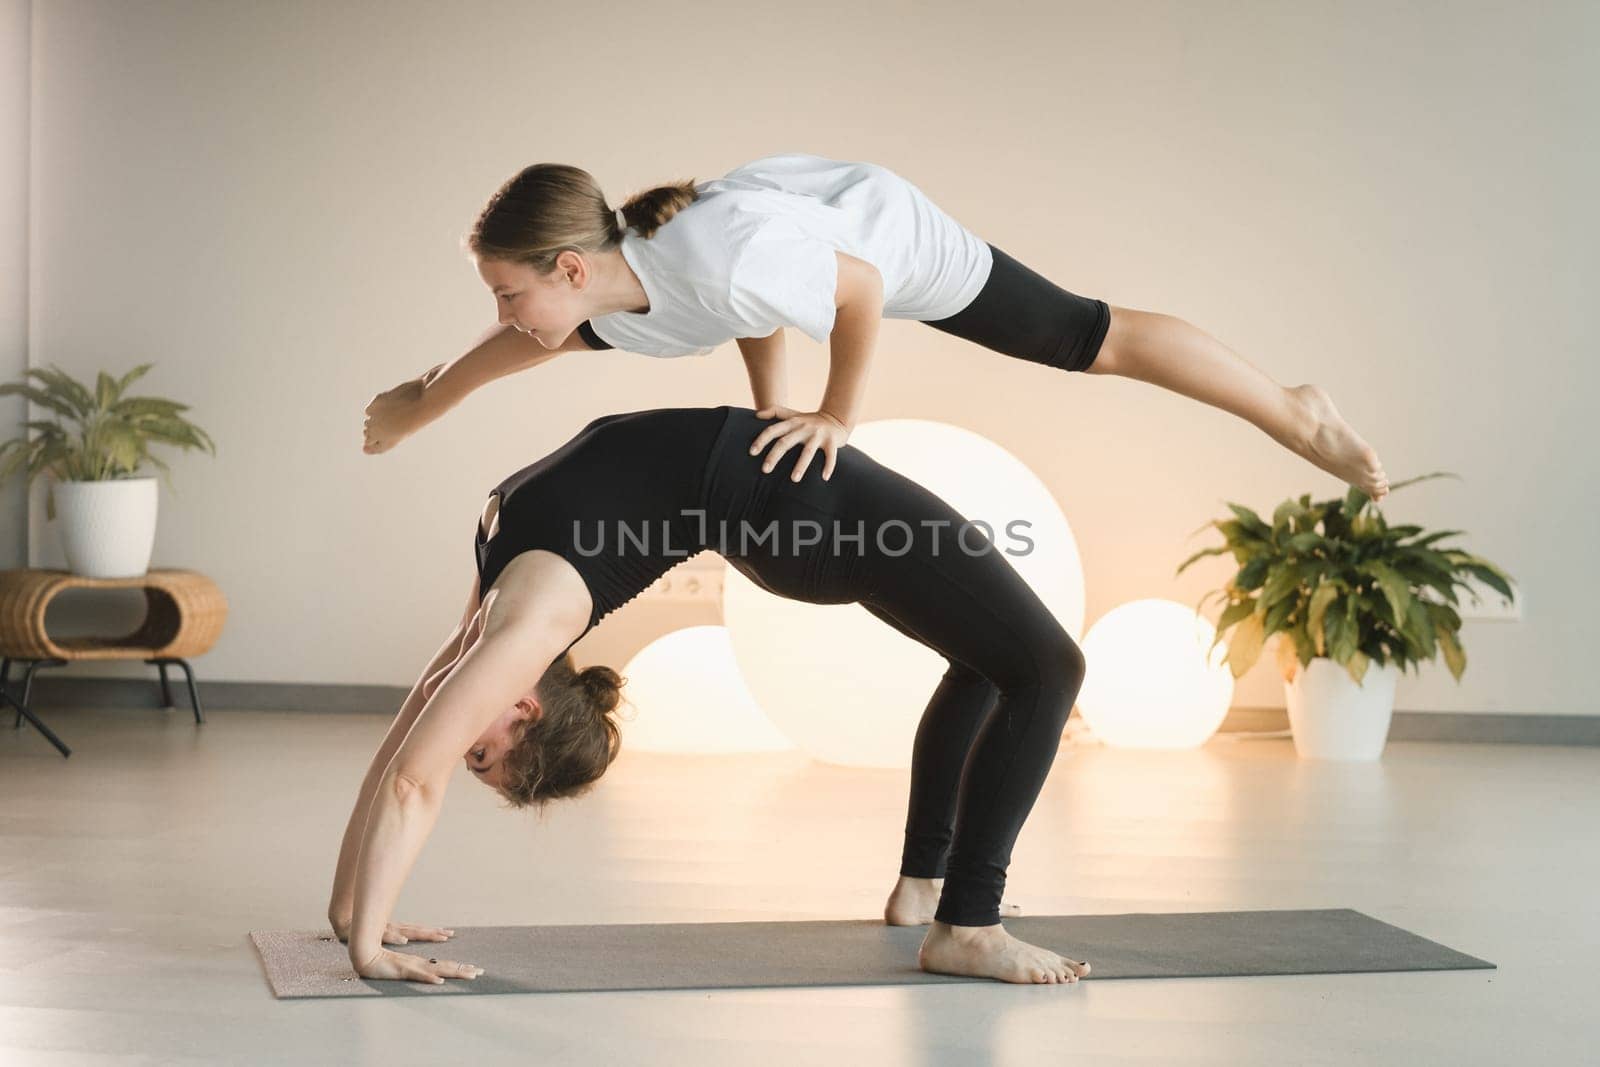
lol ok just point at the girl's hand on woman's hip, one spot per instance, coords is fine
(811, 431)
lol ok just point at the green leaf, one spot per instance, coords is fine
(1283, 579)
(1235, 612)
(1251, 522)
(42, 398)
(1357, 666)
(105, 391)
(1444, 616)
(1277, 615)
(1342, 637)
(1420, 624)
(147, 405)
(1306, 542)
(1286, 513)
(1244, 647)
(1394, 588)
(1201, 555)
(1303, 647)
(61, 384)
(129, 378)
(1320, 600)
(1252, 574)
(1489, 575)
(1434, 538)
(1423, 478)
(1454, 657)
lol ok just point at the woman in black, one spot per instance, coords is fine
(573, 536)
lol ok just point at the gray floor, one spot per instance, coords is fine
(130, 875)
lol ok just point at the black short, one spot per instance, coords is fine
(1026, 315)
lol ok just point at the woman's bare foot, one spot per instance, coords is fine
(1331, 444)
(991, 952)
(914, 900)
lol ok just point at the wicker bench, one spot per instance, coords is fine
(184, 613)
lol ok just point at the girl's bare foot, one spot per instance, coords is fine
(991, 952)
(914, 900)
(1334, 446)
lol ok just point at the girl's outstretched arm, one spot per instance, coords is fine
(858, 299)
(397, 413)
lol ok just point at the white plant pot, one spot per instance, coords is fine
(1333, 717)
(108, 528)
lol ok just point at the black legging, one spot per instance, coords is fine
(684, 478)
(993, 725)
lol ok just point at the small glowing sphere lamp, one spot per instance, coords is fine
(1150, 682)
(687, 696)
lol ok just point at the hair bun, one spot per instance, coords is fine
(603, 686)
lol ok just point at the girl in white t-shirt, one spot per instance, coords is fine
(830, 248)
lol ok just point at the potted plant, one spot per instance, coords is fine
(1351, 601)
(108, 512)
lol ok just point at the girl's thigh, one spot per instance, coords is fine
(1021, 313)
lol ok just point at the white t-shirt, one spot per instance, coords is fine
(755, 252)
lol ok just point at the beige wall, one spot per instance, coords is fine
(267, 200)
(14, 158)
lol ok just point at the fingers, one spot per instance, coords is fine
(827, 463)
(804, 461)
(436, 971)
(783, 445)
(771, 433)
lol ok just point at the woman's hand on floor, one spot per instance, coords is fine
(405, 967)
(398, 933)
(812, 431)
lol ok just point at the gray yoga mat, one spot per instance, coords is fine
(632, 956)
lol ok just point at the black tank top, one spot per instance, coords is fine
(622, 502)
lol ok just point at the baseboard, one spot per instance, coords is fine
(1484, 727)
(58, 692)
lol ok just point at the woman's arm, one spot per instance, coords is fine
(765, 362)
(397, 413)
(341, 903)
(507, 651)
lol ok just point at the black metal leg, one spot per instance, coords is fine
(5, 680)
(27, 686)
(194, 693)
(166, 690)
(188, 675)
(23, 712)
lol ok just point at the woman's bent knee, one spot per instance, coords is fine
(1062, 663)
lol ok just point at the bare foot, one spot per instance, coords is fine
(991, 952)
(1335, 447)
(914, 900)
